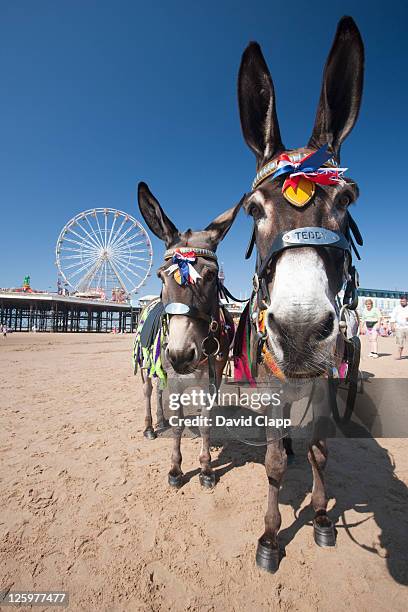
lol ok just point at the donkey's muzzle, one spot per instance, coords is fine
(311, 332)
(182, 361)
(303, 345)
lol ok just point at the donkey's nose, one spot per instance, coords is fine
(181, 360)
(323, 328)
(310, 330)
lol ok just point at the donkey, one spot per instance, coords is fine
(199, 332)
(296, 287)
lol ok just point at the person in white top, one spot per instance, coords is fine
(399, 324)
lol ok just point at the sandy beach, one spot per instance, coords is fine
(85, 506)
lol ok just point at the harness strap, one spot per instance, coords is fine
(301, 237)
(251, 244)
(178, 308)
(224, 292)
(350, 299)
(353, 246)
(354, 228)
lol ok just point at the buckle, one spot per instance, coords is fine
(255, 282)
(210, 346)
(213, 325)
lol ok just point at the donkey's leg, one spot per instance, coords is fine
(175, 475)
(207, 474)
(287, 440)
(287, 445)
(324, 531)
(147, 392)
(160, 423)
(268, 552)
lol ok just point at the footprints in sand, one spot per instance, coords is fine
(37, 500)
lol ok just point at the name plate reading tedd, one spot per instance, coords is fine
(310, 235)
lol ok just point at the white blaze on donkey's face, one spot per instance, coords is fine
(301, 319)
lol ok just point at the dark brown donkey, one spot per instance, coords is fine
(296, 287)
(198, 329)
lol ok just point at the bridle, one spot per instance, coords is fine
(314, 237)
(211, 344)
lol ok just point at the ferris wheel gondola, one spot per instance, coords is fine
(104, 251)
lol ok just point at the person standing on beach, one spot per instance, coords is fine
(399, 324)
(370, 319)
(384, 330)
(4, 329)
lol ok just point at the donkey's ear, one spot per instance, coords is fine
(155, 217)
(257, 107)
(218, 229)
(342, 88)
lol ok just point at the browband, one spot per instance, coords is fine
(178, 308)
(198, 251)
(271, 166)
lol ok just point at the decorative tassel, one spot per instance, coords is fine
(271, 364)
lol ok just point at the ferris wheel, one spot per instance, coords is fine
(104, 251)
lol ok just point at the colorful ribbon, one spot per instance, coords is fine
(184, 262)
(311, 167)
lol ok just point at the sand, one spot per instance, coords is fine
(85, 505)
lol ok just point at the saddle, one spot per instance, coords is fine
(148, 341)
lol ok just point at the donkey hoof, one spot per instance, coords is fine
(175, 480)
(162, 426)
(207, 480)
(149, 433)
(324, 531)
(267, 556)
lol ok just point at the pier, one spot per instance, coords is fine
(50, 312)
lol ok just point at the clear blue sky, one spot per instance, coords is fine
(96, 96)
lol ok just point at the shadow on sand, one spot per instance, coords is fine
(361, 476)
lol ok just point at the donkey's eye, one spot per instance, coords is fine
(255, 211)
(345, 200)
(209, 274)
